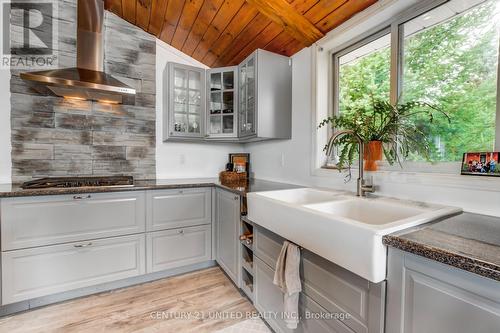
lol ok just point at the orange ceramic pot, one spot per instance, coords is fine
(373, 153)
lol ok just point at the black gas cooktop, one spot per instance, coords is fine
(79, 182)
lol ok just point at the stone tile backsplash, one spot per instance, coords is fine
(52, 136)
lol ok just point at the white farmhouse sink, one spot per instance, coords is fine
(344, 229)
(301, 195)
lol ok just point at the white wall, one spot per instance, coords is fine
(5, 144)
(183, 160)
(289, 160)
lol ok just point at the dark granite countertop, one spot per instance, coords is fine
(254, 185)
(468, 241)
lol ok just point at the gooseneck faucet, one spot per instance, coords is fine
(362, 187)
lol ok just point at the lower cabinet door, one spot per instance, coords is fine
(315, 319)
(269, 302)
(178, 247)
(424, 295)
(332, 287)
(227, 234)
(268, 297)
(42, 271)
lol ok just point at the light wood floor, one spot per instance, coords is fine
(132, 309)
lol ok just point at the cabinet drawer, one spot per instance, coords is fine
(48, 270)
(178, 247)
(267, 245)
(268, 297)
(318, 320)
(48, 220)
(269, 300)
(331, 286)
(171, 209)
(340, 291)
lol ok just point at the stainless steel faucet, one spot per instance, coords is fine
(362, 187)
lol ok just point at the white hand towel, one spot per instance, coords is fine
(287, 277)
(279, 272)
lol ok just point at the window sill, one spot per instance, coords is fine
(419, 178)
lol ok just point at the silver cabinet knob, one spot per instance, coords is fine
(79, 197)
(79, 246)
(181, 232)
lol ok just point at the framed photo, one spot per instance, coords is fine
(481, 164)
(240, 162)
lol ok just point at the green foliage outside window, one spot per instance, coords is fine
(452, 65)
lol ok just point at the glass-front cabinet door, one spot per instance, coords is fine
(186, 105)
(222, 95)
(247, 87)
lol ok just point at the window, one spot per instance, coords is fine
(447, 55)
(452, 60)
(364, 71)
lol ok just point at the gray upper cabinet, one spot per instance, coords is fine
(228, 228)
(184, 116)
(245, 103)
(427, 296)
(247, 70)
(265, 97)
(222, 95)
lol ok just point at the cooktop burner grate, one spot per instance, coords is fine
(79, 182)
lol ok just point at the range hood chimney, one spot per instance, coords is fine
(87, 81)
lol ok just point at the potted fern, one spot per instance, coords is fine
(386, 129)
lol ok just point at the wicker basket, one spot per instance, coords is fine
(232, 177)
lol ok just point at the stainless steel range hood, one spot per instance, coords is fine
(88, 80)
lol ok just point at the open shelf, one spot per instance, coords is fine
(248, 246)
(247, 259)
(247, 283)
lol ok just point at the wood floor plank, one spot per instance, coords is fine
(129, 310)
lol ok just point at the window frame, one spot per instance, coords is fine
(341, 53)
(395, 27)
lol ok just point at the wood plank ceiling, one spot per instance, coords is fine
(224, 32)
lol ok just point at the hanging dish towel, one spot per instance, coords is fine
(287, 277)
